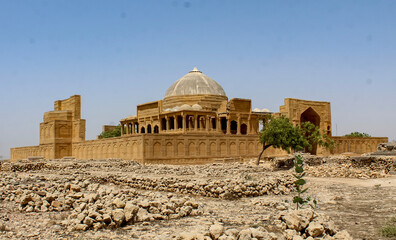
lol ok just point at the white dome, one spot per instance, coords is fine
(196, 107)
(195, 83)
(185, 107)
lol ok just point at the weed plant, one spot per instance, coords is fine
(389, 229)
(300, 200)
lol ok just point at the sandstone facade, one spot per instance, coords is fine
(195, 123)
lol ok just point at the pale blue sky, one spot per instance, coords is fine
(117, 54)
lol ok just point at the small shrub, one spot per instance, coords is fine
(300, 200)
(116, 132)
(389, 229)
(357, 134)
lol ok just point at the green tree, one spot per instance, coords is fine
(281, 133)
(313, 135)
(116, 132)
(357, 134)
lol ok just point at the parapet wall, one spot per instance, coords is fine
(126, 147)
(46, 151)
(357, 145)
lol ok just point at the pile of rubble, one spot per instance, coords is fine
(91, 205)
(308, 224)
(226, 188)
(42, 165)
(111, 211)
(363, 167)
(345, 170)
(290, 225)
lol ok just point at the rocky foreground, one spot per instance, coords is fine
(116, 199)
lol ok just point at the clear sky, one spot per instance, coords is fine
(117, 54)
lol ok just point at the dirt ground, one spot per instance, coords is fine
(360, 206)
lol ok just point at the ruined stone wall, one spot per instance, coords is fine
(357, 145)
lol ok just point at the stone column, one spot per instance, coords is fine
(167, 123)
(248, 126)
(239, 126)
(176, 123)
(196, 122)
(228, 125)
(218, 126)
(207, 123)
(133, 128)
(184, 122)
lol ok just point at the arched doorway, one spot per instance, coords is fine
(149, 128)
(142, 130)
(156, 129)
(312, 116)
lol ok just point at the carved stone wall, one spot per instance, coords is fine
(45, 150)
(357, 145)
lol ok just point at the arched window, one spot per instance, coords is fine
(179, 122)
(234, 127)
(156, 129)
(163, 124)
(243, 129)
(142, 130)
(223, 121)
(149, 128)
(171, 123)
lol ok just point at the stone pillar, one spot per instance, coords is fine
(207, 123)
(133, 128)
(196, 122)
(176, 123)
(228, 125)
(184, 122)
(167, 123)
(218, 124)
(248, 126)
(239, 126)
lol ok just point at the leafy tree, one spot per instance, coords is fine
(357, 134)
(313, 135)
(116, 132)
(281, 133)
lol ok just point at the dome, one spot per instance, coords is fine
(195, 83)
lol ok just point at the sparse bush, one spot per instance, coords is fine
(389, 229)
(357, 134)
(116, 132)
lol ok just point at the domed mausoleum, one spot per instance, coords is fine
(195, 123)
(195, 88)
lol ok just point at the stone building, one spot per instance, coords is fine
(194, 123)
